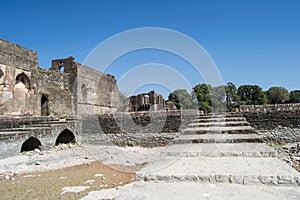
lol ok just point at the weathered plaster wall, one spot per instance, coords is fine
(96, 92)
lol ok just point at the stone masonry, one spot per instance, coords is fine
(40, 107)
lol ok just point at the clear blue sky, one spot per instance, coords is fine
(251, 41)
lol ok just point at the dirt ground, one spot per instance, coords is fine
(50, 184)
(54, 173)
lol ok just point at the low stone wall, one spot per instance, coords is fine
(147, 129)
(273, 119)
(281, 135)
(15, 131)
(278, 123)
(269, 107)
(131, 139)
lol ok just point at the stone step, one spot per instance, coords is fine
(211, 124)
(194, 191)
(24, 129)
(218, 138)
(43, 125)
(227, 119)
(219, 130)
(236, 170)
(220, 149)
(12, 135)
(227, 115)
(59, 122)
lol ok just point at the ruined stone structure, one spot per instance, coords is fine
(66, 89)
(44, 105)
(146, 101)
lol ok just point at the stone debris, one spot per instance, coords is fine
(37, 163)
(28, 176)
(99, 175)
(89, 182)
(74, 189)
(291, 153)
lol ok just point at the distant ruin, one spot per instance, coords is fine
(146, 102)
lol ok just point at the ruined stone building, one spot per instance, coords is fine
(45, 107)
(66, 89)
(146, 101)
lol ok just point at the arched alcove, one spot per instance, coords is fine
(62, 69)
(31, 144)
(44, 105)
(23, 78)
(1, 73)
(66, 136)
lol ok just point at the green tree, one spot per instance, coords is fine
(172, 97)
(251, 95)
(182, 99)
(218, 99)
(277, 95)
(201, 92)
(232, 99)
(295, 96)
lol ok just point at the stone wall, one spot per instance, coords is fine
(55, 86)
(278, 123)
(281, 135)
(17, 56)
(146, 129)
(269, 107)
(24, 98)
(273, 119)
(16, 130)
(95, 91)
(66, 89)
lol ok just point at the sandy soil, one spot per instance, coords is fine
(59, 184)
(70, 173)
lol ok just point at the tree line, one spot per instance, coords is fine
(228, 97)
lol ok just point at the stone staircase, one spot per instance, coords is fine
(18, 128)
(220, 149)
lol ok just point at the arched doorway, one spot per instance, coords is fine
(44, 105)
(31, 144)
(66, 136)
(23, 78)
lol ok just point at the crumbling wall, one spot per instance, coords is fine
(95, 92)
(54, 85)
(23, 84)
(17, 56)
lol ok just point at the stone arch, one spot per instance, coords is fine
(84, 91)
(61, 67)
(66, 136)
(31, 144)
(23, 78)
(44, 105)
(1, 73)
